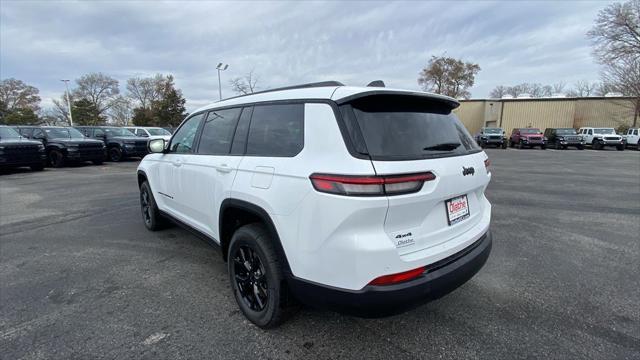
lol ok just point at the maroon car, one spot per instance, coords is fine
(527, 137)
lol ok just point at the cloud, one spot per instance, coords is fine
(293, 42)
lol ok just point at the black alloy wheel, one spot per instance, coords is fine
(56, 158)
(151, 216)
(115, 154)
(257, 276)
(250, 278)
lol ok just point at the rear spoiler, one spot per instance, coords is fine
(444, 100)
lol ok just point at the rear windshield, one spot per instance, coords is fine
(405, 128)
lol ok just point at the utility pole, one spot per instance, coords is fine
(221, 67)
(66, 83)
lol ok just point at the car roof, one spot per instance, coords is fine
(339, 94)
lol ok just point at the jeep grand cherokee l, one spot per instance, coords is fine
(120, 142)
(364, 200)
(562, 138)
(65, 144)
(17, 151)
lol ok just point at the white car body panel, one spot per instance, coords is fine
(339, 241)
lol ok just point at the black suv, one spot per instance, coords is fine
(491, 137)
(120, 142)
(562, 138)
(65, 144)
(16, 151)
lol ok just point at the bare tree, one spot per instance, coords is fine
(616, 40)
(146, 90)
(246, 84)
(558, 88)
(60, 109)
(499, 91)
(616, 32)
(121, 111)
(448, 76)
(15, 94)
(99, 89)
(583, 89)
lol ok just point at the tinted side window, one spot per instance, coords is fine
(182, 140)
(276, 130)
(240, 138)
(26, 132)
(590, 132)
(217, 132)
(38, 133)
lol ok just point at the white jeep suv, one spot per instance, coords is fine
(598, 138)
(364, 200)
(632, 138)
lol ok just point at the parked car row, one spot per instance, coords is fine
(56, 146)
(558, 138)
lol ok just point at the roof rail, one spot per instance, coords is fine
(301, 86)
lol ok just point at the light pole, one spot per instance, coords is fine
(66, 83)
(221, 67)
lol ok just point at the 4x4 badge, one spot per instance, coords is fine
(468, 171)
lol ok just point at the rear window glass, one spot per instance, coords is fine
(276, 130)
(408, 128)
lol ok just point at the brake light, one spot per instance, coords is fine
(487, 162)
(370, 185)
(398, 278)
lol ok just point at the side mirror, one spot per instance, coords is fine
(156, 145)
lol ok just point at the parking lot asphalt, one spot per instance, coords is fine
(80, 276)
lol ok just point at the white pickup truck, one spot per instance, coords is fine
(632, 138)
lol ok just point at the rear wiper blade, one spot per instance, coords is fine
(443, 147)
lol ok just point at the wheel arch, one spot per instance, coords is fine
(142, 177)
(235, 213)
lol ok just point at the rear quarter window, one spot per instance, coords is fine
(276, 130)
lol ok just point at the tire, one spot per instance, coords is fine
(56, 158)
(558, 146)
(257, 286)
(580, 147)
(638, 145)
(97, 162)
(115, 154)
(151, 217)
(520, 146)
(543, 147)
(504, 145)
(510, 143)
(37, 167)
(620, 147)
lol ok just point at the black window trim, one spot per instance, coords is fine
(204, 122)
(331, 103)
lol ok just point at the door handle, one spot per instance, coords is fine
(177, 162)
(224, 168)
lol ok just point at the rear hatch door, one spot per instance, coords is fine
(408, 135)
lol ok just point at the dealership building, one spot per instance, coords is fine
(542, 113)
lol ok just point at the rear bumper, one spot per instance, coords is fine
(439, 279)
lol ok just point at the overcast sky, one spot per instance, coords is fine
(293, 42)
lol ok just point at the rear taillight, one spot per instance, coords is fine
(370, 185)
(487, 162)
(397, 278)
